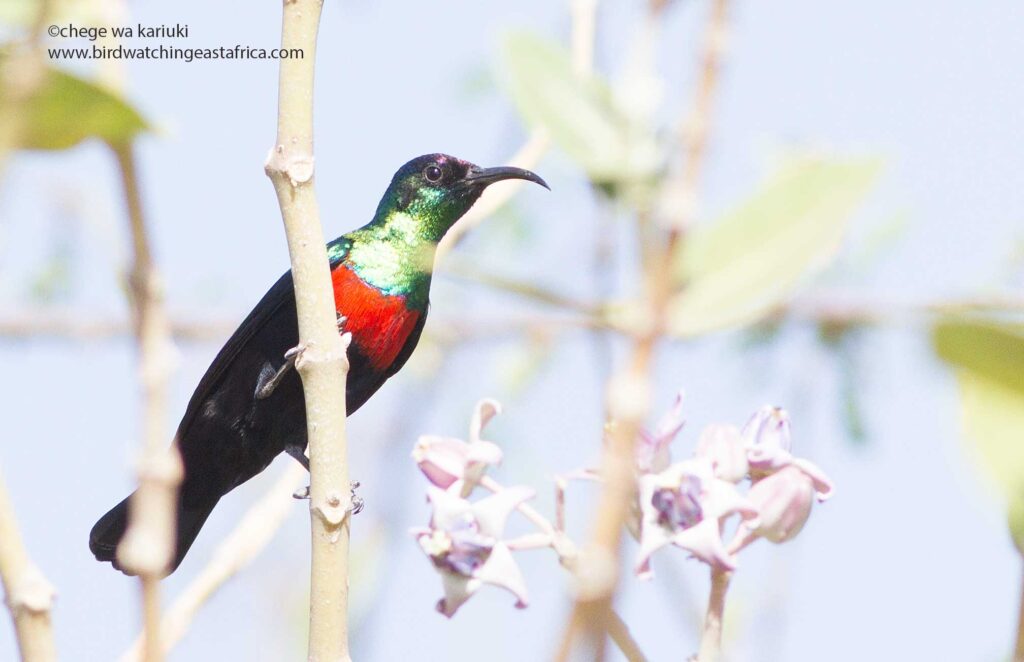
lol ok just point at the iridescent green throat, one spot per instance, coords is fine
(394, 253)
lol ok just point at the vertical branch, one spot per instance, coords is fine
(695, 126)
(27, 593)
(322, 362)
(252, 534)
(711, 638)
(629, 391)
(22, 71)
(148, 545)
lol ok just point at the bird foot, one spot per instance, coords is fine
(268, 382)
(341, 322)
(357, 501)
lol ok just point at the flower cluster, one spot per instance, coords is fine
(464, 538)
(687, 503)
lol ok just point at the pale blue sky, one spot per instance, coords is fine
(910, 560)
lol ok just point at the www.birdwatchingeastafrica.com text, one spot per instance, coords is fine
(121, 52)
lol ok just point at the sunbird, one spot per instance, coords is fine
(249, 406)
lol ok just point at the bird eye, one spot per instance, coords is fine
(433, 173)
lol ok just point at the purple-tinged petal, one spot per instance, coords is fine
(672, 421)
(485, 410)
(704, 541)
(652, 448)
(492, 511)
(723, 446)
(482, 454)
(457, 589)
(441, 459)
(822, 484)
(768, 427)
(722, 499)
(501, 570)
(685, 505)
(449, 508)
(784, 500)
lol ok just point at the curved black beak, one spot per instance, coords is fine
(487, 176)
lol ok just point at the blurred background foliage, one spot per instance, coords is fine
(778, 261)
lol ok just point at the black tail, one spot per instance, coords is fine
(106, 534)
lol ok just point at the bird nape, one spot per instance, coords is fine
(249, 405)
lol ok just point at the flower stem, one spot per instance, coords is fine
(711, 638)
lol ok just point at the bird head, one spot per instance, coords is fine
(435, 190)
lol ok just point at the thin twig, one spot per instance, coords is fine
(148, 544)
(623, 638)
(64, 325)
(27, 593)
(252, 534)
(322, 361)
(527, 290)
(553, 536)
(680, 203)
(628, 394)
(711, 638)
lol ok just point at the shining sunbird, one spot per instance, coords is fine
(249, 405)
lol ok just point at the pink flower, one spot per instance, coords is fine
(652, 447)
(684, 505)
(464, 543)
(723, 447)
(784, 500)
(446, 460)
(768, 441)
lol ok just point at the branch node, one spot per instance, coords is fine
(31, 592)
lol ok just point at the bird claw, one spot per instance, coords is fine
(267, 384)
(341, 322)
(357, 501)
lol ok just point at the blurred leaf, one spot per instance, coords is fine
(991, 349)
(66, 110)
(989, 357)
(579, 111)
(738, 268)
(993, 419)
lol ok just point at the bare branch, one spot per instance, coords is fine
(237, 550)
(148, 545)
(322, 361)
(28, 594)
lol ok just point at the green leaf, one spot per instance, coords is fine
(66, 110)
(579, 111)
(993, 418)
(738, 268)
(989, 358)
(992, 349)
